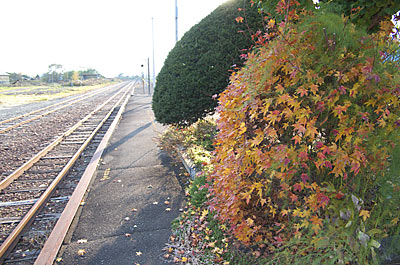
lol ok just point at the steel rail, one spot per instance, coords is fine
(19, 171)
(53, 105)
(11, 240)
(47, 113)
(53, 243)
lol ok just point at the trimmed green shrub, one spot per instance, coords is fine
(198, 66)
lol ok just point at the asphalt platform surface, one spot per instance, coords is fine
(126, 217)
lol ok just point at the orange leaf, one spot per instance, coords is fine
(239, 19)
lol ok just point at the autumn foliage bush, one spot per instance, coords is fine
(307, 133)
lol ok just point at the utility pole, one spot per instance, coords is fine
(148, 73)
(154, 67)
(143, 78)
(176, 20)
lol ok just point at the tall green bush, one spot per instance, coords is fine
(198, 66)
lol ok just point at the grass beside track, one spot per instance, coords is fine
(42, 93)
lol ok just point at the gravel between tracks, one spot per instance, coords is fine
(19, 145)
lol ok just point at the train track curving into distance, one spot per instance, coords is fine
(35, 189)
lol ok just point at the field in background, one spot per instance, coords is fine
(13, 96)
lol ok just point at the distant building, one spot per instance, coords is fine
(4, 79)
(87, 76)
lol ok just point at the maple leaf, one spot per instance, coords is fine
(297, 187)
(299, 128)
(293, 197)
(297, 212)
(285, 212)
(311, 131)
(316, 221)
(279, 88)
(81, 252)
(314, 88)
(365, 214)
(239, 19)
(302, 91)
(271, 23)
(304, 177)
(278, 240)
(323, 200)
(297, 139)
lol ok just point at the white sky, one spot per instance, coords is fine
(112, 36)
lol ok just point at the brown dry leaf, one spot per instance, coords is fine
(81, 252)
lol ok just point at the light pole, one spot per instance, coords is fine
(142, 78)
(154, 67)
(176, 20)
(148, 73)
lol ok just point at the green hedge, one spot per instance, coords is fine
(198, 66)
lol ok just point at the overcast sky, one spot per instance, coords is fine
(112, 36)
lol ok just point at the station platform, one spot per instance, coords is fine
(126, 217)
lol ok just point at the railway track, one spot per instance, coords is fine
(19, 144)
(17, 121)
(33, 196)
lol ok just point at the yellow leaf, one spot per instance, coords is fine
(81, 252)
(204, 213)
(365, 214)
(271, 23)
